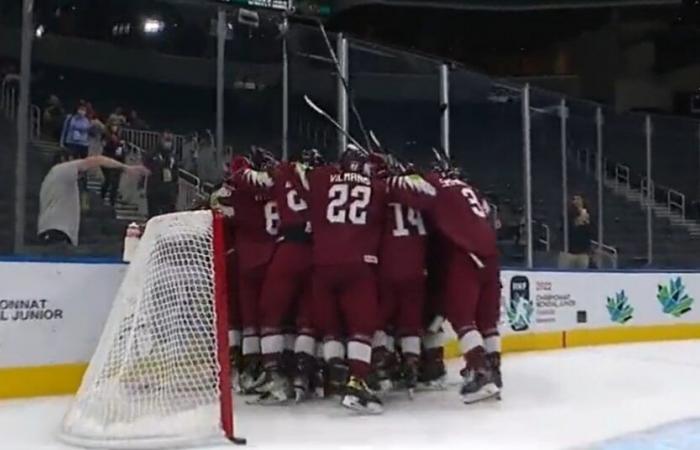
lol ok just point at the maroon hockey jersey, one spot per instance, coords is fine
(460, 216)
(255, 216)
(347, 216)
(291, 193)
(403, 246)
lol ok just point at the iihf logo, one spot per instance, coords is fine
(520, 307)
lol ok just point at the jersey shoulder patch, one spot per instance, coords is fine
(413, 182)
(257, 178)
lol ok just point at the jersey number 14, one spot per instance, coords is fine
(404, 218)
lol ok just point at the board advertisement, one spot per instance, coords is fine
(53, 313)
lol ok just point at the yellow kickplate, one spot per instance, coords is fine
(40, 380)
(520, 342)
(623, 334)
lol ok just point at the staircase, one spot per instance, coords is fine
(676, 239)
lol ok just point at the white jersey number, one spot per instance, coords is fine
(348, 204)
(272, 218)
(476, 206)
(295, 202)
(404, 215)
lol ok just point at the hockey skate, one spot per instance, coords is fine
(336, 378)
(236, 381)
(236, 362)
(301, 388)
(384, 369)
(251, 379)
(275, 390)
(432, 376)
(493, 362)
(360, 398)
(409, 374)
(477, 386)
(308, 381)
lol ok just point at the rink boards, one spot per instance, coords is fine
(52, 314)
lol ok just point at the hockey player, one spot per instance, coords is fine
(402, 289)
(221, 202)
(256, 222)
(472, 285)
(286, 291)
(347, 206)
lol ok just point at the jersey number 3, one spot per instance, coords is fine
(348, 204)
(474, 203)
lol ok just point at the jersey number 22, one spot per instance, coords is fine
(348, 204)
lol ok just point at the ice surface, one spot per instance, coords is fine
(601, 398)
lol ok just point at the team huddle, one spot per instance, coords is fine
(343, 274)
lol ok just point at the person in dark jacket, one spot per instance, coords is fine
(580, 235)
(162, 189)
(114, 147)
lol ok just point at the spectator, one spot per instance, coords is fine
(59, 197)
(53, 117)
(136, 122)
(117, 117)
(94, 119)
(580, 234)
(162, 189)
(74, 135)
(113, 148)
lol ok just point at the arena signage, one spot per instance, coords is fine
(53, 312)
(52, 315)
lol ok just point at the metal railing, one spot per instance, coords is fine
(8, 106)
(34, 122)
(675, 202)
(149, 140)
(545, 237)
(605, 253)
(622, 175)
(189, 190)
(8, 97)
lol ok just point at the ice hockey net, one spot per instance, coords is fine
(160, 377)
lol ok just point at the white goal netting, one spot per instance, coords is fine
(155, 379)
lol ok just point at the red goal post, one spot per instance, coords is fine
(160, 376)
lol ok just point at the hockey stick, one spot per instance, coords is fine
(376, 141)
(346, 86)
(328, 117)
(441, 158)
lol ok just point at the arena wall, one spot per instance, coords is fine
(52, 314)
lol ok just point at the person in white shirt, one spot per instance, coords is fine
(59, 198)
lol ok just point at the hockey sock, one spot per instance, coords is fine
(471, 344)
(359, 357)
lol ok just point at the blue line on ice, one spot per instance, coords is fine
(680, 435)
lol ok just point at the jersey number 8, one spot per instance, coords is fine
(272, 218)
(348, 204)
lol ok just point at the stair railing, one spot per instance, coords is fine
(676, 202)
(8, 106)
(8, 97)
(149, 140)
(605, 250)
(545, 237)
(622, 175)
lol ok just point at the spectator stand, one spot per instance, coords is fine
(8, 105)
